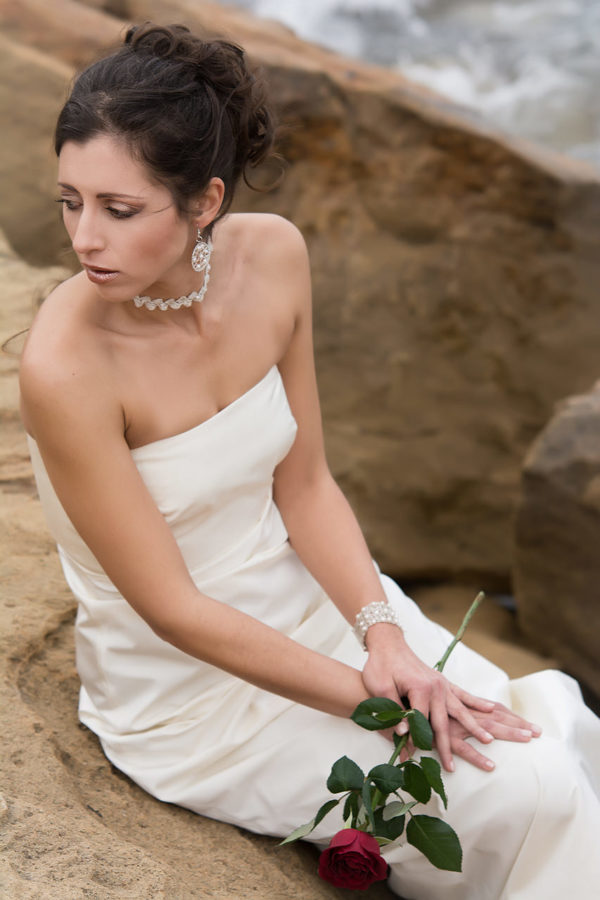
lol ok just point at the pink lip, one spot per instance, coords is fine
(98, 275)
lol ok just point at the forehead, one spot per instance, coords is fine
(104, 164)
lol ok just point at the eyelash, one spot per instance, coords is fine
(115, 213)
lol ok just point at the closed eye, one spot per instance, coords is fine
(120, 213)
(112, 210)
(70, 204)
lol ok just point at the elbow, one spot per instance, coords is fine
(173, 630)
(163, 631)
(167, 623)
(183, 624)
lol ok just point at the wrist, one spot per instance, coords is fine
(375, 615)
(383, 634)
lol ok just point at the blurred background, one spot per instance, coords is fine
(530, 66)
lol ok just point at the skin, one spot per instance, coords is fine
(100, 377)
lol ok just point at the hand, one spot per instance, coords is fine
(393, 670)
(500, 723)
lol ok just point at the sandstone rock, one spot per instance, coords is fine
(70, 825)
(557, 556)
(455, 280)
(66, 29)
(32, 89)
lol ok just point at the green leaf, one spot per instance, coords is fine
(351, 806)
(377, 713)
(415, 782)
(303, 830)
(390, 828)
(420, 730)
(397, 808)
(433, 774)
(367, 799)
(327, 807)
(298, 833)
(437, 841)
(386, 778)
(345, 776)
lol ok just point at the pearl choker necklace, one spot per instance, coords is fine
(187, 300)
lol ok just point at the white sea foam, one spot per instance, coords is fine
(530, 66)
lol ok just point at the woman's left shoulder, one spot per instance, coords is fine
(268, 235)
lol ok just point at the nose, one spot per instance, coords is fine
(86, 235)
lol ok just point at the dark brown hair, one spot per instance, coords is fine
(187, 108)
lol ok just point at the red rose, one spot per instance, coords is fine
(352, 860)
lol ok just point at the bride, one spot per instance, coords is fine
(169, 394)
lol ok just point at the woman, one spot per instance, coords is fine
(169, 394)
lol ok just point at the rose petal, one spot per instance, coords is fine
(352, 860)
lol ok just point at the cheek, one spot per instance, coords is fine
(163, 246)
(70, 222)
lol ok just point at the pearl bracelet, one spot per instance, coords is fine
(372, 614)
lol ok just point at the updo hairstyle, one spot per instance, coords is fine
(187, 108)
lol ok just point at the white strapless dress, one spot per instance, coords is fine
(193, 735)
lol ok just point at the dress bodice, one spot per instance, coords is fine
(212, 482)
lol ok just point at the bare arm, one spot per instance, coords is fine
(327, 537)
(134, 545)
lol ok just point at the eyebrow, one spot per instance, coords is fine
(105, 195)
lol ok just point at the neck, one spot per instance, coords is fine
(200, 263)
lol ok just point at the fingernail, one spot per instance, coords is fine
(487, 736)
(536, 730)
(489, 764)
(451, 766)
(525, 733)
(402, 728)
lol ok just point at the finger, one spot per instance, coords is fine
(419, 699)
(506, 716)
(507, 733)
(441, 730)
(467, 752)
(402, 727)
(479, 703)
(471, 724)
(473, 701)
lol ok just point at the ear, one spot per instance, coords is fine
(208, 204)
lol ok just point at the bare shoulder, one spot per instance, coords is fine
(274, 260)
(268, 236)
(58, 336)
(62, 360)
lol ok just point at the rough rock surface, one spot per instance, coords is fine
(71, 826)
(455, 274)
(557, 554)
(32, 88)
